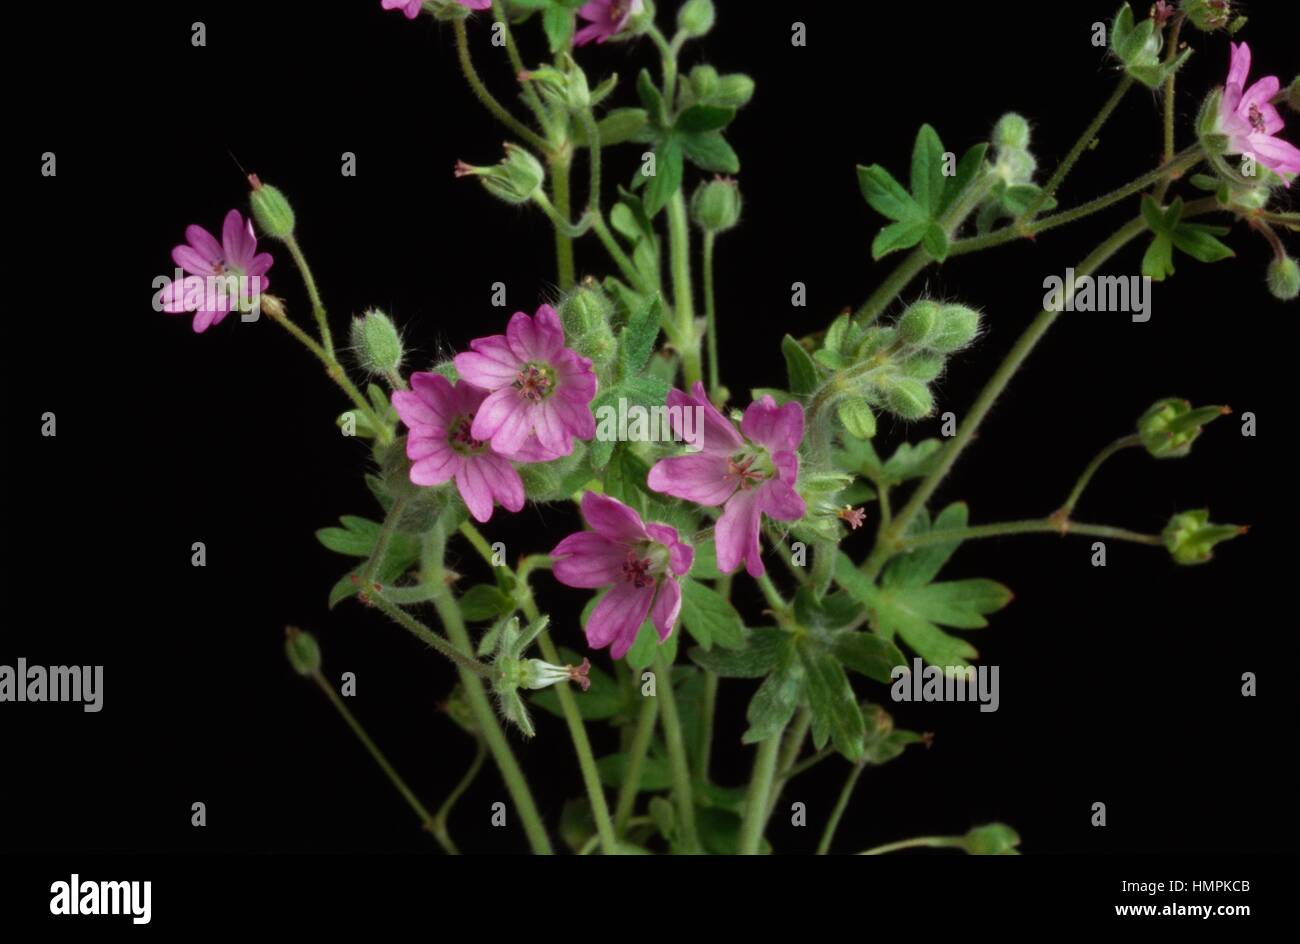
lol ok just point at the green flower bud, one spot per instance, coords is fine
(716, 205)
(1284, 278)
(908, 398)
(377, 344)
(993, 839)
(1190, 536)
(565, 86)
(1015, 166)
(876, 339)
(586, 313)
(1169, 427)
(734, 90)
(302, 650)
(857, 417)
(1011, 133)
(271, 210)
(918, 323)
(1208, 15)
(515, 180)
(924, 367)
(958, 326)
(704, 83)
(1293, 94)
(696, 17)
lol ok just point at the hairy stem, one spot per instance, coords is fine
(636, 754)
(841, 804)
(525, 133)
(672, 728)
(756, 797)
(710, 317)
(1051, 525)
(439, 826)
(1124, 442)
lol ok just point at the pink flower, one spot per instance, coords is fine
(750, 475)
(642, 563)
(606, 17)
(222, 275)
(440, 445)
(538, 388)
(411, 8)
(1250, 121)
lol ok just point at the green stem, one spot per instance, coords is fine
(828, 835)
(1051, 525)
(616, 253)
(433, 574)
(756, 797)
(710, 316)
(525, 133)
(930, 842)
(1124, 442)
(479, 543)
(1175, 31)
(704, 732)
(382, 541)
(668, 56)
(679, 248)
(461, 657)
(1086, 139)
(988, 396)
(561, 223)
(439, 826)
(636, 754)
(411, 799)
(672, 729)
(531, 98)
(771, 594)
(317, 306)
(334, 370)
(564, 264)
(577, 730)
(795, 735)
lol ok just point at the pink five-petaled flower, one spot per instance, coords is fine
(642, 563)
(536, 386)
(605, 18)
(1249, 120)
(751, 475)
(411, 8)
(221, 275)
(440, 446)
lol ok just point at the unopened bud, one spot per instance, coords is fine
(377, 344)
(1169, 427)
(1190, 536)
(270, 208)
(515, 180)
(716, 205)
(958, 326)
(1283, 278)
(696, 17)
(918, 323)
(302, 650)
(1011, 133)
(909, 398)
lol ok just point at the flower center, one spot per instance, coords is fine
(1257, 119)
(747, 467)
(535, 382)
(459, 438)
(636, 571)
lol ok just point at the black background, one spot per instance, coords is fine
(1118, 684)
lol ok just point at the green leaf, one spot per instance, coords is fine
(700, 119)
(835, 712)
(356, 538)
(763, 651)
(935, 242)
(619, 125)
(483, 602)
(868, 654)
(705, 565)
(1198, 241)
(958, 603)
(710, 617)
(773, 705)
(856, 417)
(911, 461)
(920, 566)
(712, 153)
(898, 236)
(558, 25)
(799, 366)
(655, 773)
(1158, 260)
(625, 479)
(650, 97)
(647, 647)
(668, 175)
(637, 339)
(887, 197)
(927, 171)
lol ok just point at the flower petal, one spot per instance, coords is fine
(474, 489)
(612, 519)
(776, 427)
(618, 617)
(436, 465)
(536, 339)
(702, 477)
(587, 560)
(667, 606)
(506, 486)
(736, 534)
(489, 364)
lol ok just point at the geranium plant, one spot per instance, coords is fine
(729, 486)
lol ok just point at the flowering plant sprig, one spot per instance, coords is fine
(672, 520)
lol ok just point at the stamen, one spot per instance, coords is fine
(636, 571)
(533, 383)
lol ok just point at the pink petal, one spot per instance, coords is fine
(1260, 92)
(667, 606)
(778, 500)
(587, 560)
(474, 489)
(204, 243)
(575, 377)
(489, 364)
(575, 416)
(536, 339)
(550, 429)
(427, 403)
(1239, 67)
(504, 419)
(618, 617)
(501, 477)
(437, 465)
(718, 433)
(777, 427)
(236, 235)
(612, 519)
(194, 262)
(736, 534)
(701, 477)
(1276, 154)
